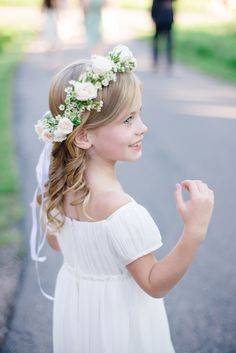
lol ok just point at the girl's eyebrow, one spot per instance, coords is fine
(136, 112)
(128, 114)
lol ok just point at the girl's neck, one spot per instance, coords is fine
(101, 176)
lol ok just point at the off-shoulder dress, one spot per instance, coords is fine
(98, 306)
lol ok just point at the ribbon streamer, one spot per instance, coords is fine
(42, 174)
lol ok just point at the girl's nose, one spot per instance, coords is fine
(145, 128)
(142, 128)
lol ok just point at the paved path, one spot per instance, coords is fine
(191, 135)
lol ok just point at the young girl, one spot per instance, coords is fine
(110, 288)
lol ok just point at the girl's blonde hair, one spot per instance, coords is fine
(68, 162)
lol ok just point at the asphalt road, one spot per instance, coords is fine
(191, 120)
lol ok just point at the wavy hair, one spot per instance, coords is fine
(68, 161)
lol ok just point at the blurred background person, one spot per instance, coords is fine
(50, 28)
(163, 16)
(92, 10)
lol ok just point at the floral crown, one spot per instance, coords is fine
(81, 95)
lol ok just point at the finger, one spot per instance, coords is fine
(205, 186)
(179, 197)
(211, 194)
(191, 186)
(202, 187)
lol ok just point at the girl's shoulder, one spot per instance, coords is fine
(133, 231)
(101, 206)
(107, 203)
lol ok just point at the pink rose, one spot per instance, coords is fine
(47, 136)
(39, 127)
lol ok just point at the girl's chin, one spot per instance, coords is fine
(133, 158)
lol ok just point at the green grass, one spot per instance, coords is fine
(8, 174)
(192, 6)
(134, 4)
(20, 2)
(187, 5)
(142, 4)
(180, 5)
(10, 237)
(208, 44)
(211, 49)
(12, 213)
(11, 43)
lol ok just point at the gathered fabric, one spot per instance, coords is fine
(98, 306)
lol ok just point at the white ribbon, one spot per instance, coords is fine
(42, 174)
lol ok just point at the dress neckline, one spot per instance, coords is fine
(74, 220)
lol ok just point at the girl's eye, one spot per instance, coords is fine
(127, 121)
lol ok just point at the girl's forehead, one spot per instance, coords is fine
(135, 105)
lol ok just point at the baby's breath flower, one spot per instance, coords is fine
(95, 76)
(105, 82)
(98, 85)
(68, 90)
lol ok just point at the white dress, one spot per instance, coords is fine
(98, 306)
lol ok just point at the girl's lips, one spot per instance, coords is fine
(137, 146)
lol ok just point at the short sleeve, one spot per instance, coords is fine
(134, 233)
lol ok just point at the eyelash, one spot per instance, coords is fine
(128, 119)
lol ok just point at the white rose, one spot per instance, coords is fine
(65, 126)
(125, 53)
(47, 136)
(85, 90)
(101, 64)
(59, 136)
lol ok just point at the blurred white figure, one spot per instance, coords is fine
(221, 8)
(92, 10)
(50, 29)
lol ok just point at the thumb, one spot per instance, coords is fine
(179, 198)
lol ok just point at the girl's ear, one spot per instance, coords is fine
(82, 139)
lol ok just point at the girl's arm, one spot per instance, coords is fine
(51, 238)
(52, 241)
(158, 277)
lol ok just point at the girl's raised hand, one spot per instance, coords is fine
(196, 212)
